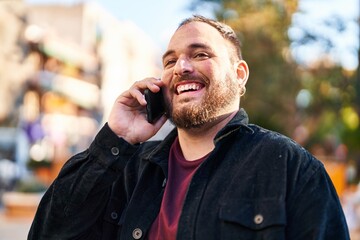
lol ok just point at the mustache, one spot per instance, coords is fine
(188, 77)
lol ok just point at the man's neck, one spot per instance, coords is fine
(197, 142)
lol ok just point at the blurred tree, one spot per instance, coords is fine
(332, 106)
(330, 75)
(262, 28)
(316, 104)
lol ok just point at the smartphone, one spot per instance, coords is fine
(155, 107)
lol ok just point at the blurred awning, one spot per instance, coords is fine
(68, 52)
(86, 95)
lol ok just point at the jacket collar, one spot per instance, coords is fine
(240, 120)
(161, 151)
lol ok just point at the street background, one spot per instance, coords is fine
(64, 62)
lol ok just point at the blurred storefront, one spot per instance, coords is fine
(61, 68)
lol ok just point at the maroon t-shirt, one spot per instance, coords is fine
(180, 174)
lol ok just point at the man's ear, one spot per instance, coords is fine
(242, 71)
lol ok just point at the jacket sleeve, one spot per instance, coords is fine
(314, 209)
(77, 198)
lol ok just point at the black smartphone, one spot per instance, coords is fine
(155, 107)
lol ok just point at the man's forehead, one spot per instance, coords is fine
(196, 27)
(194, 34)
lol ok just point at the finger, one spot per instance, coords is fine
(154, 84)
(135, 95)
(127, 98)
(138, 95)
(138, 88)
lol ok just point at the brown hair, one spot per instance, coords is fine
(225, 30)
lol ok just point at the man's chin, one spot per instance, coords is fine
(190, 121)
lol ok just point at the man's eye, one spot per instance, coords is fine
(201, 55)
(169, 62)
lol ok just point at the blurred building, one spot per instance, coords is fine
(13, 68)
(61, 69)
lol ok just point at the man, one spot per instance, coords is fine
(213, 177)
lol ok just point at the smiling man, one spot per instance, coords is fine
(215, 176)
(203, 72)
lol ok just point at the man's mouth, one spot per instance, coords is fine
(188, 87)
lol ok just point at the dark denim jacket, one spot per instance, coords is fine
(256, 184)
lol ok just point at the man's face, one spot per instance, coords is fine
(200, 78)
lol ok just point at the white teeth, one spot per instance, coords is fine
(187, 87)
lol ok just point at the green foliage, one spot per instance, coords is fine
(33, 164)
(30, 185)
(332, 109)
(273, 84)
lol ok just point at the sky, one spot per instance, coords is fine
(346, 43)
(159, 19)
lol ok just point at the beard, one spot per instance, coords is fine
(216, 98)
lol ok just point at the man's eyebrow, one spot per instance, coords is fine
(199, 45)
(191, 46)
(167, 53)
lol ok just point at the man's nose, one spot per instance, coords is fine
(183, 66)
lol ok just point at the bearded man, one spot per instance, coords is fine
(215, 176)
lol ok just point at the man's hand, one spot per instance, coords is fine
(127, 118)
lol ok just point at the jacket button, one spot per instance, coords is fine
(115, 151)
(114, 215)
(258, 219)
(137, 233)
